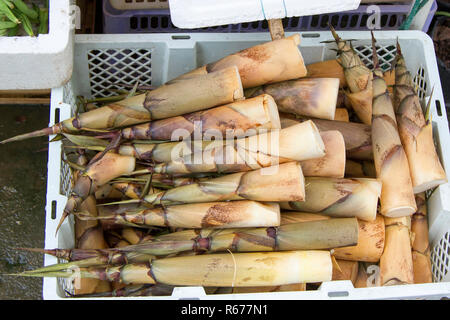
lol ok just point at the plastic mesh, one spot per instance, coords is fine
(66, 176)
(386, 55)
(69, 95)
(440, 258)
(421, 83)
(66, 181)
(66, 285)
(110, 68)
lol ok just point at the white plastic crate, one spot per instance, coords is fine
(41, 62)
(139, 4)
(157, 58)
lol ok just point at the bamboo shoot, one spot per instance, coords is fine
(237, 119)
(327, 69)
(233, 214)
(360, 169)
(295, 143)
(348, 270)
(391, 163)
(341, 114)
(333, 163)
(285, 181)
(222, 270)
(357, 136)
(270, 62)
(305, 97)
(89, 235)
(358, 77)
(371, 236)
(421, 246)
(357, 197)
(396, 263)
(416, 132)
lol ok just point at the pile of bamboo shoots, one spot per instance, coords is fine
(245, 175)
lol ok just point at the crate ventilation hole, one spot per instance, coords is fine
(113, 66)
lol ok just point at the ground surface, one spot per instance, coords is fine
(23, 177)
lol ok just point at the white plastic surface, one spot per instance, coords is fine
(41, 62)
(161, 57)
(190, 14)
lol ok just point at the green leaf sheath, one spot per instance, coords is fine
(22, 7)
(6, 10)
(26, 23)
(43, 21)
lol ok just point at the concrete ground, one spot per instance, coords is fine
(23, 183)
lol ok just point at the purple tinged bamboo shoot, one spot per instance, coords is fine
(154, 152)
(165, 152)
(158, 180)
(305, 97)
(311, 235)
(222, 270)
(231, 214)
(238, 119)
(110, 166)
(115, 209)
(295, 143)
(285, 181)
